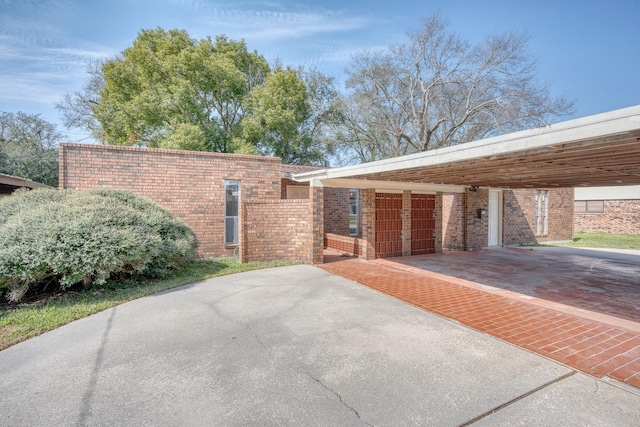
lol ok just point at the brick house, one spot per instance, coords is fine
(613, 210)
(507, 190)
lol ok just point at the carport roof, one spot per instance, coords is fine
(9, 183)
(598, 150)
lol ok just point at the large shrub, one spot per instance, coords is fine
(72, 237)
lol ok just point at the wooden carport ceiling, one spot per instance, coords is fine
(599, 150)
(614, 161)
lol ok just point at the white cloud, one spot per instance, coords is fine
(274, 20)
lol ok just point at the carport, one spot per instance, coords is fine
(599, 150)
(9, 184)
(581, 309)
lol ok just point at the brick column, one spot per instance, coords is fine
(368, 209)
(316, 194)
(438, 215)
(406, 223)
(477, 229)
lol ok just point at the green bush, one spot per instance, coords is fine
(72, 237)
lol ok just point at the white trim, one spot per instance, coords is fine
(631, 192)
(386, 185)
(498, 218)
(595, 126)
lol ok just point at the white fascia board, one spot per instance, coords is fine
(387, 185)
(631, 192)
(599, 125)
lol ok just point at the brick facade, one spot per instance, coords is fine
(316, 212)
(477, 229)
(452, 228)
(336, 211)
(277, 230)
(346, 244)
(405, 214)
(619, 217)
(190, 184)
(519, 217)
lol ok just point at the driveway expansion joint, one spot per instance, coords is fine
(518, 398)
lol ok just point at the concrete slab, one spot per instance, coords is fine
(606, 282)
(561, 404)
(287, 346)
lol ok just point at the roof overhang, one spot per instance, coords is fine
(598, 150)
(9, 183)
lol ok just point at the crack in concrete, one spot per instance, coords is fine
(237, 322)
(257, 338)
(354, 410)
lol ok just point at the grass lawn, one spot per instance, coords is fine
(26, 320)
(603, 240)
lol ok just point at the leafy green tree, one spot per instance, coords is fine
(166, 81)
(286, 116)
(29, 147)
(170, 91)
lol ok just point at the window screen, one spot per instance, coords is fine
(354, 211)
(231, 202)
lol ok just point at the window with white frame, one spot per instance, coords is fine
(588, 206)
(354, 211)
(231, 208)
(541, 212)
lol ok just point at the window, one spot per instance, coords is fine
(297, 192)
(541, 211)
(354, 211)
(231, 202)
(588, 206)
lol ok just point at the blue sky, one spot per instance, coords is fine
(588, 50)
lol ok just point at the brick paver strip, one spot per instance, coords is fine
(583, 344)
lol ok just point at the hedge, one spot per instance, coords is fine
(71, 237)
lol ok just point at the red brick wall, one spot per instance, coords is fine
(619, 217)
(453, 237)
(316, 213)
(345, 244)
(336, 211)
(560, 216)
(190, 184)
(477, 229)
(519, 216)
(277, 230)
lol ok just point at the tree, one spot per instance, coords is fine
(170, 91)
(438, 89)
(29, 147)
(76, 108)
(166, 81)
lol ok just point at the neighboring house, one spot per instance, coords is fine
(613, 210)
(507, 190)
(9, 184)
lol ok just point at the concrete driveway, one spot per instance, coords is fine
(290, 346)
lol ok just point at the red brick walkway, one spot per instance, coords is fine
(587, 345)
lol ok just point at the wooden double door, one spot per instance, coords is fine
(389, 224)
